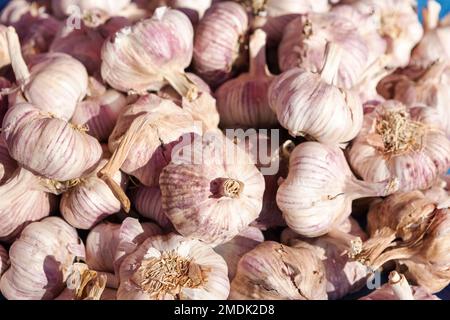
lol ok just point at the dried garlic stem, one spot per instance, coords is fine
(332, 60)
(372, 248)
(400, 286)
(17, 62)
(227, 187)
(431, 15)
(350, 244)
(258, 64)
(118, 158)
(393, 254)
(181, 83)
(363, 189)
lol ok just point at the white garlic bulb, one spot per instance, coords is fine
(41, 260)
(173, 268)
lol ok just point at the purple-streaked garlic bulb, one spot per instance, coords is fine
(242, 102)
(305, 41)
(107, 244)
(273, 271)
(35, 27)
(4, 260)
(233, 250)
(317, 195)
(211, 190)
(90, 200)
(49, 146)
(435, 44)
(344, 276)
(55, 82)
(85, 43)
(193, 9)
(310, 104)
(7, 164)
(23, 201)
(171, 267)
(148, 203)
(62, 8)
(100, 113)
(41, 260)
(395, 143)
(219, 42)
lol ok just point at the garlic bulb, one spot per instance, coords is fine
(7, 164)
(212, 190)
(107, 244)
(239, 101)
(90, 200)
(435, 42)
(304, 45)
(273, 271)
(193, 9)
(219, 42)
(49, 146)
(148, 203)
(38, 84)
(318, 192)
(63, 8)
(173, 268)
(100, 113)
(233, 250)
(395, 144)
(344, 276)
(310, 104)
(41, 260)
(23, 201)
(4, 260)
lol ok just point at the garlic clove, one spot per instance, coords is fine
(273, 271)
(196, 271)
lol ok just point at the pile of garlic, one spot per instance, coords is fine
(200, 149)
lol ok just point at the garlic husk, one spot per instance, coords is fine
(148, 203)
(63, 8)
(395, 143)
(100, 113)
(219, 41)
(233, 250)
(23, 202)
(196, 271)
(195, 10)
(211, 190)
(307, 48)
(134, 61)
(318, 192)
(273, 271)
(431, 279)
(7, 164)
(4, 260)
(107, 244)
(107, 295)
(239, 101)
(4, 103)
(309, 104)
(41, 260)
(48, 146)
(344, 276)
(38, 84)
(91, 200)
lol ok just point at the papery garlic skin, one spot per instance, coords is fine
(206, 271)
(319, 190)
(148, 203)
(91, 200)
(40, 260)
(233, 250)
(415, 164)
(273, 271)
(217, 43)
(49, 146)
(63, 8)
(304, 45)
(4, 260)
(149, 54)
(213, 191)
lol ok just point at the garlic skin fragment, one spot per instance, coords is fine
(395, 143)
(196, 271)
(49, 146)
(218, 42)
(40, 261)
(318, 192)
(213, 191)
(63, 8)
(273, 271)
(233, 250)
(4, 260)
(148, 203)
(91, 200)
